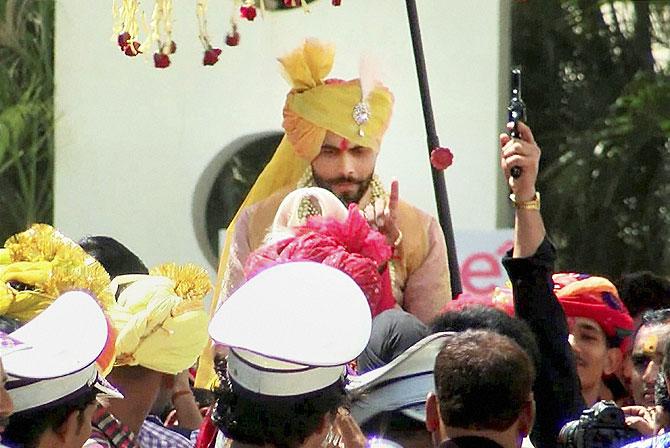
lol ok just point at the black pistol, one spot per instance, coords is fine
(516, 111)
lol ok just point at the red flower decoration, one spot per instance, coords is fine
(123, 40)
(173, 47)
(161, 60)
(337, 2)
(233, 39)
(211, 56)
(248, 12)
(441, 158)
(132, 49)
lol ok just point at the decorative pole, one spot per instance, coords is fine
(439, 185)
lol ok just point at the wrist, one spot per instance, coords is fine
(530, 204)
(524, 195)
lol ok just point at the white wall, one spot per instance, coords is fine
(132, 140)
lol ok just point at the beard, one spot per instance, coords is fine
(346, 197)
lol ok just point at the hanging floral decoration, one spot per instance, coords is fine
(161, 33)
(212, 54)
(130, 22)
(126, 26)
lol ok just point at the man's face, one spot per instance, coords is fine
(344, 168)
(589, 344)
(6, 405)
(646, 358)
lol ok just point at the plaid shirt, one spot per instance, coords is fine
(108, 432)
(153, 434)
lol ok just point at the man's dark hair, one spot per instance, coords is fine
(644, 290)
(26, 427)
(487, 318)
(284, 422)
(116, 258)
(482, 380)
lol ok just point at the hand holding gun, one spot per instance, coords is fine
(516, 111)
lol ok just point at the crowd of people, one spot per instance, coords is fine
(332, 323)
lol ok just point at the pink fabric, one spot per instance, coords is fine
(351, 246)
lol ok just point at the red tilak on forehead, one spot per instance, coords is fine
(344, 144)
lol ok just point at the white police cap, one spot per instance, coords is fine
(292, 328)
(53, 356)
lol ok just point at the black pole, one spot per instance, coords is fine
(439, 185)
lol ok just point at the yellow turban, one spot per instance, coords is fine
(40, 264)
(160, 318)
(313, 106)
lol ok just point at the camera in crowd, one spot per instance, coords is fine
(603, 425)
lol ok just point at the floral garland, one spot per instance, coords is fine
(128, 16)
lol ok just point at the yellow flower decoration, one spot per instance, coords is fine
(40, 264)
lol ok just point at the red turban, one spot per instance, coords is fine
(595, 298)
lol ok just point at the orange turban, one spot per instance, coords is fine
(596, 298)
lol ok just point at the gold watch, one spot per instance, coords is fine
(533, 204)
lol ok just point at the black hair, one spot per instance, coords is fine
(487, 318)
(483, 380)
(116, 258)
(27, 427)
(644, 290)
(284, 422)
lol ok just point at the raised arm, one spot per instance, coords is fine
(524, 153)
(530, 267)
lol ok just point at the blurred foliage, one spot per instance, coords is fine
(597, 87)
(26, 114)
